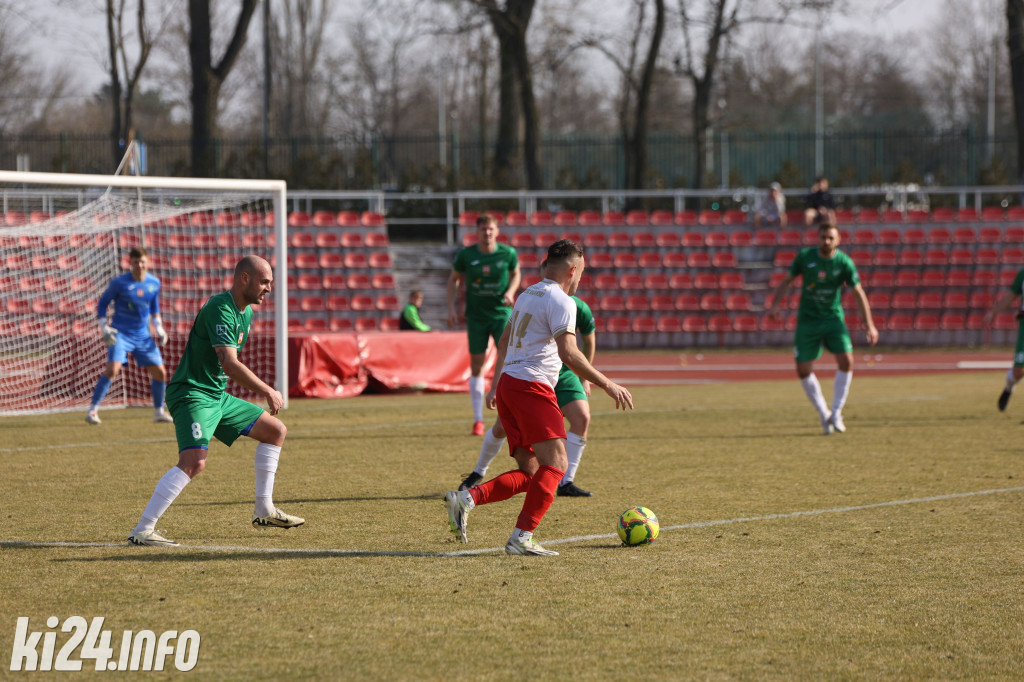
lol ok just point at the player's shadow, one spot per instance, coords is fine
(312, 500)
(192, 556)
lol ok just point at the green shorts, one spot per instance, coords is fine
(812, 334)
(1018, 352)
(199, 417)
(479, 329)
(569, 387)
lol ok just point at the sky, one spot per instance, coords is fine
(72, 33)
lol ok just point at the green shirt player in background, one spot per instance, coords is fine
(491, 274)
(572, 393)
(202, 408)
(819, 321)
(1014, 374)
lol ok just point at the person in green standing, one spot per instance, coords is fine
(410, 320)
(202, 408)
(825, 269)
(572, 394)
(490, 272)
(1014, 374)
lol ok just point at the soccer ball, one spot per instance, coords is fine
(638, 526)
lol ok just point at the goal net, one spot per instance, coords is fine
(64, 237)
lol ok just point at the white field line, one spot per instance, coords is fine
(12, 544)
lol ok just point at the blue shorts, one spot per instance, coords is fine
(143, 349)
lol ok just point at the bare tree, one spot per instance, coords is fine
(1015, 43)
(121, 68)
(515, 89)
(706, 36)
(208, 77)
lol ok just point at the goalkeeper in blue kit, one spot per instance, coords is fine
(135, 297)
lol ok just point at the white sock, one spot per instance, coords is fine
(488, 451)
(476, 394)
(574, 445)
(841, 390)
(521, 535)
(1011, 380)
(167, 490)
(813, 390)
(265, 464)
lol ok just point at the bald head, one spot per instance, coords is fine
(252, 265)
(253, 280)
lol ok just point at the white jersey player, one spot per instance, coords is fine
(539, 337)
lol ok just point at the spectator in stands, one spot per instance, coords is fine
(198, 398)
(572, 395)
(490, 271)
(1014, 374)
(135, 296)
(772, 210)
(824, 270)
(820, 204)
(410, 319)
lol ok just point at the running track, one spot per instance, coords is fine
(638, 369)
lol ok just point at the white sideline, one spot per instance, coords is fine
(494, 550)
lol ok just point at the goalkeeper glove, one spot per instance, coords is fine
(109, 333)
(161, 334)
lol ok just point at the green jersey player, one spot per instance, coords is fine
(825, 270)
(1014, 374)
(490, 271)
(572, 394)
(202, 409)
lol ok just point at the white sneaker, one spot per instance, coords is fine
(92, 417)
(458, 511)
(837, 422)
(277, 520)
(826, 425)
(161, 417)
(151, 538)
(526, 547)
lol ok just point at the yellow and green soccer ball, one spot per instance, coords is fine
(638, 526)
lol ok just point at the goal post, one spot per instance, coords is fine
(63, 237)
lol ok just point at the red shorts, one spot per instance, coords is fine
(529, 412)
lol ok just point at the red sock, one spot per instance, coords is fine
(501, 488)
(539, 497)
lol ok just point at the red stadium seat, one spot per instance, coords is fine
(719, 323)
(662, 217)
(669, 324)
(679, 281)
(614, 218)
(637, 218)
(692, 240)
(687, 302)
(686, 218)
(595, 240)
(656, 281)
(694, 324)
(542, 218)
(698, 259)
(565, 218)
(631, 282)
(662, 302)
(644, 324)
(637, 302)
(589, 218)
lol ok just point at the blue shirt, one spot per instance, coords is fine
(133, 301)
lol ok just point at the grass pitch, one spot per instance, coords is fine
(891, 551)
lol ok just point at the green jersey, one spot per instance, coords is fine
(823, 280)
(584, 322)
(487, 278)
(219, 323)
(1018, 286)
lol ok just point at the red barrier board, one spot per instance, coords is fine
(343, 365)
